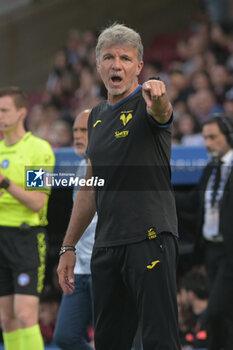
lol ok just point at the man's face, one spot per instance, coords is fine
(215, 140)
(119, 67)
(80, 133)
(10, 116)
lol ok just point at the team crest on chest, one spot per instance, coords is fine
(5, 164)
(126, 116)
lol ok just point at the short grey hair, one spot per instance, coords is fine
(119, 34)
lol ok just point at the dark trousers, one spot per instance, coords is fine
(75, 315)
(220, 310)
(136, 283)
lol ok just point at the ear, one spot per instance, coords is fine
(139, 68)
(23, 112)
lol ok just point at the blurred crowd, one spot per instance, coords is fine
(198, 76)
(199, 79)
(72, 85)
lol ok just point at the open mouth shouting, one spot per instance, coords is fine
(116, 84)
(115, 80)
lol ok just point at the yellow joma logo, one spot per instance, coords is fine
(97, 122)
(153, 264)
(125, 119)
(151, 233)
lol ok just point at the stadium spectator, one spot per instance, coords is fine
(228, 103)
(203, 104)
(189, 52)
(60, 68)
(190, 130)
(220, 35)
(196, 47)
(88, 93)
(176, 133)
(36, 119)
(72, 46)
(22, 225)
(89, 39)
(42, 118)
(60, 134)
(185, 319)
(178, 87)
(48, 311)
(217, 10)
(201, 80)
(194, 294)
(221, 81)
(153, 68)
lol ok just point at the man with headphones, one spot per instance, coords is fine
(212, 200)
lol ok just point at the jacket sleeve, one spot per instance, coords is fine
(192, 201)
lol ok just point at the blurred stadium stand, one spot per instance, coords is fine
(7, 6)
(166, 42)
(25, 54)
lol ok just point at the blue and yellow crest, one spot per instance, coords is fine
(126, 116)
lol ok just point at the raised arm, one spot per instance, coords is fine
(82, 214)
(157, 103)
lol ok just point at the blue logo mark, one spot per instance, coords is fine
(5, 163)
(35, 178)
(23, 279)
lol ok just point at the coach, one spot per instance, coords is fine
(134, 257)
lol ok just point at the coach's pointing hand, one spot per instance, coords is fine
(157, 103)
